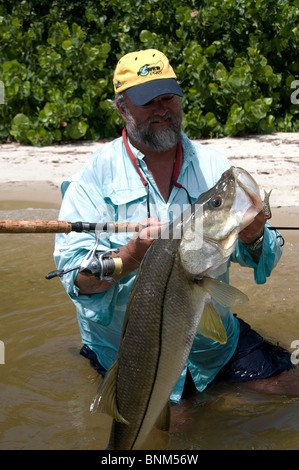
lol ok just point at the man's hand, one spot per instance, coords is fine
(141, 241)
(131, 255)
(253, 231)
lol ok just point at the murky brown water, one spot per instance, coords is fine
(46, 388)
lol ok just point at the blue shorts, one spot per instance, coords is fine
(254, 358)
(85, 351)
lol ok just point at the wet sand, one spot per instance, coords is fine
(35, 173)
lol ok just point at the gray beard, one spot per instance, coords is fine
(160, 140)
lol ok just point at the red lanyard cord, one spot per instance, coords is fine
(132, 156)
(176, 172)
(176, 169)
(177, 164)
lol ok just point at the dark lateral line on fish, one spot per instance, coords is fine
(157, 364)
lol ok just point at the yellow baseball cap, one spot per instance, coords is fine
(145, 75)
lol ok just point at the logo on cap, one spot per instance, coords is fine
(152, 69)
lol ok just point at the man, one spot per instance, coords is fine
(141, 176)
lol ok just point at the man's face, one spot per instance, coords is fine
(156, 124)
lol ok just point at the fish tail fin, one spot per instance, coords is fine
(267, 194)
(163, 421)
(105, 399)
(266, 205)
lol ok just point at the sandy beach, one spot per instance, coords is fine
(35, 173)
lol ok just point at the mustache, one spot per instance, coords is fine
(162, 119)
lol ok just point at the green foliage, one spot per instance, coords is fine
(236, 61)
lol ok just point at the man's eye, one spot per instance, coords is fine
(164, 98)
(168, 98)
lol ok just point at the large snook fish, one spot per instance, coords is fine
(170, 302)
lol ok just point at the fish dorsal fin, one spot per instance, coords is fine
(163, 421)
(105, 399)
(210, 324)
(225, 294)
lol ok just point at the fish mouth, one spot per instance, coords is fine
(248, 202)
(239, 198)
(246, 206)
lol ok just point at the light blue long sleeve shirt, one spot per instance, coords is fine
(109, 189)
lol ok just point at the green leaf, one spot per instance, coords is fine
(67, 45)
(77, 129)
(211, 120)
(21, 120)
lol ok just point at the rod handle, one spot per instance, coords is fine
(35, 226)
(128, 227)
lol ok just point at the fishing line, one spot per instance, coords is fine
(283, 228)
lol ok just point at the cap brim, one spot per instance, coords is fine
(142, 94)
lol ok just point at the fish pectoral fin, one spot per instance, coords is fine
(210, 324)
(105, 399)
(163, 421)
(225, 294)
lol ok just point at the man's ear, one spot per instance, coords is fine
(122, 111)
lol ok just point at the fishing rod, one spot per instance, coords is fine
(101, 264)
(62, 226)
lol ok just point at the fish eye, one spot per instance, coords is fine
(217, 201)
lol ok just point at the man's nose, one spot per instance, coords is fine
(160, 108)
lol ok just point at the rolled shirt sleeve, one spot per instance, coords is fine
(269, 257)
